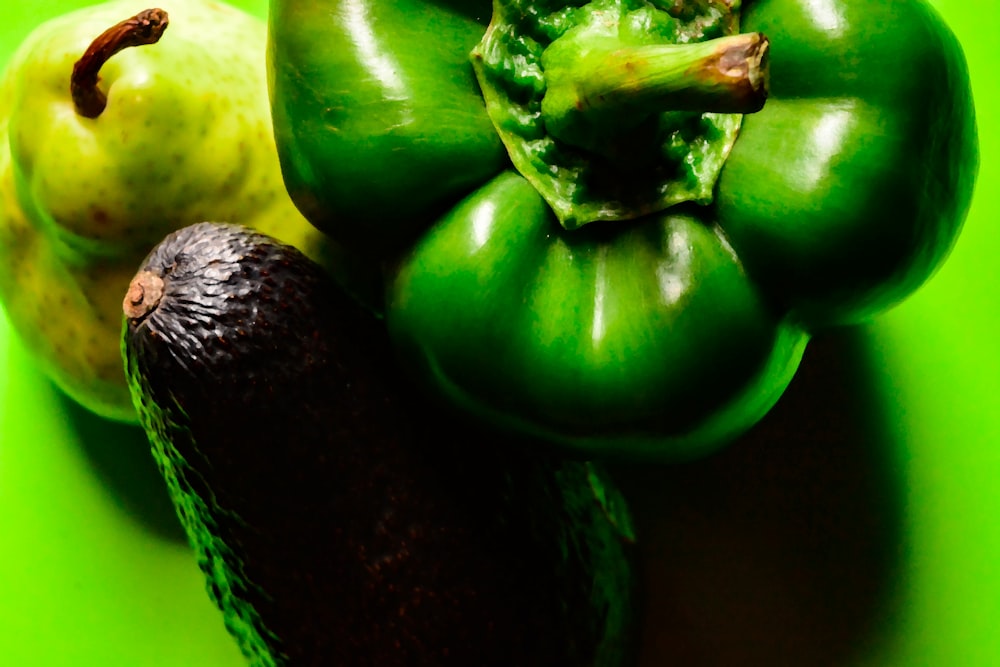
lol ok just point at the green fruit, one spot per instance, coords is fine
(338, 517)
(186, 136)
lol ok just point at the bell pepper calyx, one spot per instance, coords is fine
(616, 109)
(144, 28)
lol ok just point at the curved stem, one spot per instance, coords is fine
(146, 27)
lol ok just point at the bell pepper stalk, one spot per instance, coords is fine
(616, 224)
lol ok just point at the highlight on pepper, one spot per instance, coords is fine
(616, 224)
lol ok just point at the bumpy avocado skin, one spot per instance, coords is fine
(340, 520)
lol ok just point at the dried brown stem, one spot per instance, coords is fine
(144, 294)
(146, 27)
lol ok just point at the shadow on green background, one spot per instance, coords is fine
(786, 548)
(855, 527)
(783, 549)
(121, 460)
(95, 569)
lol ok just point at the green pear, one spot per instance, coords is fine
(102, 155)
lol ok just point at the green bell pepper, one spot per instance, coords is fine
(615, 224)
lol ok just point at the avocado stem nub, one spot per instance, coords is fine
(146, 27)
(144, 294)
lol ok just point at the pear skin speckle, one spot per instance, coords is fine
(82, 201)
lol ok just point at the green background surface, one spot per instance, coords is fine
(856, 526)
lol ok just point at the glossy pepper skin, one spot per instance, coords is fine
(659, 337)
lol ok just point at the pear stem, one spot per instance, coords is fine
(146, 27)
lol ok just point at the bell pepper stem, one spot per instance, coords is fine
(609, 88)
(146, 27)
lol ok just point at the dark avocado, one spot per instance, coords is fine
(339, 519)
